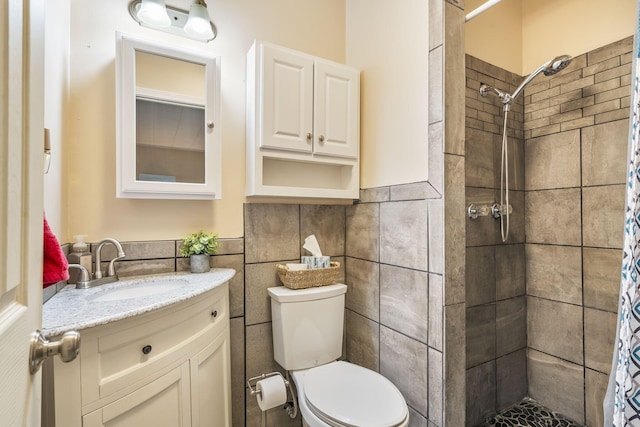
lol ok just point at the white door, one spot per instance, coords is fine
(287, 99)
(336, 110)
(21, 204)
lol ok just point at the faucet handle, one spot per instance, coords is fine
(83, 280)
(111, 269)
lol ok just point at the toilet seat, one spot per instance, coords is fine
(345, 395)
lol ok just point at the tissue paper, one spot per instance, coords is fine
(297, 267)
(311, 244)
(316, 260)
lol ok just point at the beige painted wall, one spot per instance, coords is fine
(520, 35)
(388, 42)
(552, 27)
(495, 36)
(56, 99)
(313, 26)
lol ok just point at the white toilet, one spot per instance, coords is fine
(307, 341)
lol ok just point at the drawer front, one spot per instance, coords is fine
(128, 353)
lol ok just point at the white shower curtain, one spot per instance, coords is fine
(622, 401)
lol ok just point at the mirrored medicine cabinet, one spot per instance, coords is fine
(167, 118)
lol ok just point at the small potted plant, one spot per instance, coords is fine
(198, 247)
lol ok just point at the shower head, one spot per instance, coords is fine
(557, 64)
(549, 68)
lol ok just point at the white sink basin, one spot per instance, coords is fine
(138, 290)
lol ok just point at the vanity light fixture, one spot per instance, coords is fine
(194, 24)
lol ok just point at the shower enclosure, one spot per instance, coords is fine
(540, 306)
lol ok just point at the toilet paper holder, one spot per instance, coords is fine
(291, 407)
(252, 388)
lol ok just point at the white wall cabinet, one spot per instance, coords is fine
(303, 125)
(169, 367)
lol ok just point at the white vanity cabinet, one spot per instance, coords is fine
(169, 367)
(303, 125)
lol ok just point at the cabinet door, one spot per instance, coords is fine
(287, 100)
(161, 403)
(211, 384)
(336, 110)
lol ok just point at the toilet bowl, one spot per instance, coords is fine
(307, 340)
(341, 394)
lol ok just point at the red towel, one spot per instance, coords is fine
(55, 267)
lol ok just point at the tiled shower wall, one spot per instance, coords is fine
(575, 139)
(495, 271)
(576, 131)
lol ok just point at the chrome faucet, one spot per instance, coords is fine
(111, 269)
(83, 279)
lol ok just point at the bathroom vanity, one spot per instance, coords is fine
(154, 351)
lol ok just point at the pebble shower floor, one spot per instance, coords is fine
(529, 413)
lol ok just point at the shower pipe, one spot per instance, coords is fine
(549, 68)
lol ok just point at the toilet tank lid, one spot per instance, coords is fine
(283, 294)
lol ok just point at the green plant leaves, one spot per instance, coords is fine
(199, 243)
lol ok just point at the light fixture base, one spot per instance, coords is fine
(178, 20)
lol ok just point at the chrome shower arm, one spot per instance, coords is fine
(505, 98)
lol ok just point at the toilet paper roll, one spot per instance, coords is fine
(273, 392)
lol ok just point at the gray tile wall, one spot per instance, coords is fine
(394, 307)
(576, 127)
(495, 271)
(274, 234)
(570, 174)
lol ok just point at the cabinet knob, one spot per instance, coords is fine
(321, 138)
(147, 349)
(210, 125)
(309, 136)
(214, 313)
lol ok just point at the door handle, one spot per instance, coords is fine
(67, 347)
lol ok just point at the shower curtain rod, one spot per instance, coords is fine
(482, 8)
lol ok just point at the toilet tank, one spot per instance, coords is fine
(307, 325)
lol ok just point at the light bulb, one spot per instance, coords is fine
(198, 25)
(154, 13)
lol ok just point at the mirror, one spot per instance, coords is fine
(168, 143)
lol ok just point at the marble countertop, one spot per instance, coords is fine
(77, 309)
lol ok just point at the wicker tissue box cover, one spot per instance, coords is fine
(302, 279)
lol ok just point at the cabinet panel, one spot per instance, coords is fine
(161, 403)
(211, 384)
(287, 100)
(336, 112)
